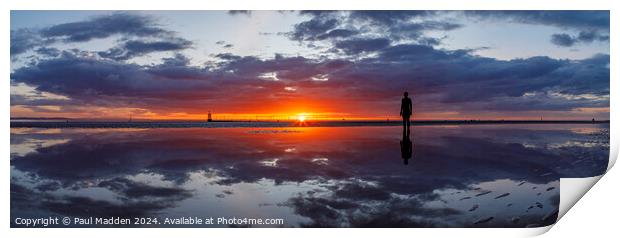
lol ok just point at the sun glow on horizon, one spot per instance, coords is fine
(301, 117)
(295, 113)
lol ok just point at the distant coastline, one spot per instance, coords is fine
(67, 123)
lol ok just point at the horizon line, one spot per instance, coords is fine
(283, 124)
(285, 120)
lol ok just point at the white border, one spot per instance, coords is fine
(566, 184)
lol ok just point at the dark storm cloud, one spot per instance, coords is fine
(357, 46)
(412, 25)
(589, 36)
(563, 40)
(228, 56)
(457, 79)
(84, 77)
(176, 68)
(331, 25)
(224, 44)
(240, 12)
(171, 84)
(105, 26)
(177, 60)
(48, 186)
(460, 77)
(429, 41)
(566, 40)
(480, 78)
(543, 102)
(416, 30)
(587, 76)
(311, 29)
(316, 13)
(133, 48)
(377, 17)
(573, 19)
(592, 25)
(47, 51)
(337, 33)
(23, 40)
(127, 25)
(388, 17)
(451, 76)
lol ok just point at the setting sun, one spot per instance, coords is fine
(301, 118)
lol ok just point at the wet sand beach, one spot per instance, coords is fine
(491, 175)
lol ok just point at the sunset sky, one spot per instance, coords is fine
(321, 64)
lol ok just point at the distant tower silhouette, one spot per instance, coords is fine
(209, 117)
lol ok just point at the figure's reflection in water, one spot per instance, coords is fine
(406, 148)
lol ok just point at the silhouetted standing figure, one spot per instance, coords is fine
(405, 112)
(406, 148)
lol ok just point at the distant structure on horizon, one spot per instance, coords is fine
(209, 117)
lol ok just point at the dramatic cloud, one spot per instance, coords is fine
(589, 36)
(50, 52)
(122, 24)
(592, 25)
(313, 29)
(357, 46)
(365, 57)
(105, 26)
(574, 19)
(333, 25)
(135, 48)
(463, 81)
(337, 33)
(567, 40)
(23, 40)
(563, 40)
(388, 17)
(416, 30)
(240, 12)
(87, 78)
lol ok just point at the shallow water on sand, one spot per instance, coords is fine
(441, 176)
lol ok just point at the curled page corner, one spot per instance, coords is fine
(613, 149)
(573, 189)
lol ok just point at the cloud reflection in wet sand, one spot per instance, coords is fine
(464, 176)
